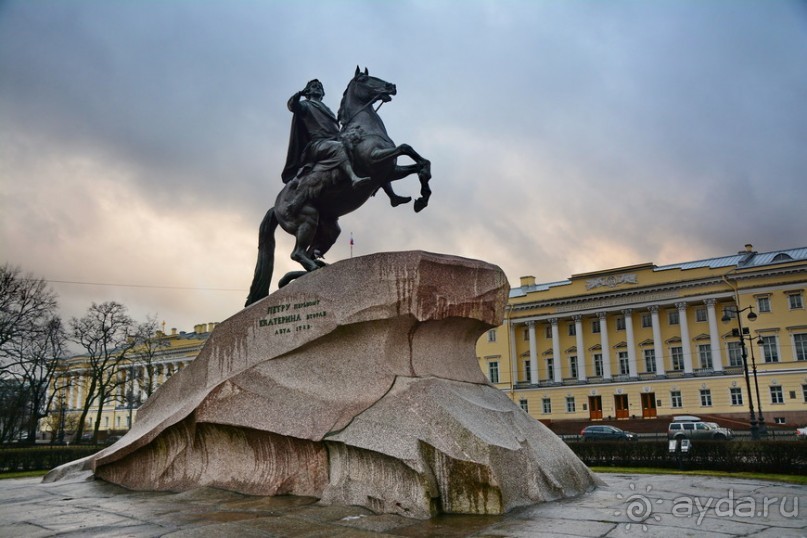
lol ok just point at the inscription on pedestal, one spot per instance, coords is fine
(292, 317)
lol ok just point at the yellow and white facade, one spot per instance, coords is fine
(175, 351)
(648, 341)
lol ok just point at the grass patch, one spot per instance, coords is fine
(23, 474)
(790, 479)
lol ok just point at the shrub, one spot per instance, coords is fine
(751, 456)
(41, 458)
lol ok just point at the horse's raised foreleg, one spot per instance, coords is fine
(422, 168)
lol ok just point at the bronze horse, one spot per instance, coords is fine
(309, 206)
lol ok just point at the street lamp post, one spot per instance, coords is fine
(740, 332)
(763, 429)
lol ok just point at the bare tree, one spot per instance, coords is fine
(38, 356)
(107, 334)
(24, 302)
(150, 344)
(31, 344)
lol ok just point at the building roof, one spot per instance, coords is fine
(741, 260)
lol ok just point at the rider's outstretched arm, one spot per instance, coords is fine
(294, 102)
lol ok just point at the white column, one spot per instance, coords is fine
(714, 336)
(79, 391)
(581, 352)
(71, 392)
(513, 354)
(658, 350)
(606, 347)
(556, 358)
(686, 344)
(533, 353)
(632, 372)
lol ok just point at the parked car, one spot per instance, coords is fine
(606, 433)
(689, 427)
(801, 433)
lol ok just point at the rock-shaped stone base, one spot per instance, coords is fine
(357, 384)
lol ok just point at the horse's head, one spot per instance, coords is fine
(364, 90)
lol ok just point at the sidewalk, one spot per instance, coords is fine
(630, 505)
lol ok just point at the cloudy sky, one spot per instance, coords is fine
(142, 142)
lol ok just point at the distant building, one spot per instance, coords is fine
(172, 352)
(648, 341)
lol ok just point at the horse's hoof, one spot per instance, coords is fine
(420, 203)
(398, 200)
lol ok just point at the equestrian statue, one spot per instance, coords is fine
(334, 164)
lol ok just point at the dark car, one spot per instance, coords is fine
(606, 433)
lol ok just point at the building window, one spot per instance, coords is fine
(673, 317)
(730, 312)
(524, 405)
(550, 369)
(624, 368)
(779, 420)
(546, 404)
(769, 349)
(572, 329)
(700, 314)
(106, 422)
(526, 335)
(620, 323)
(492, 335)
(595, 326)
(804, 392)
(570, 404)
(650, 361)
(598, 364)
(677, 354)
(795, 301)
(647, 320)
(493, 371)
(800, 346)
(549, 331)
(705, 356)
(675, 399)
(764, 303)
(736, 394)
(735, 354)
(527, 371)
(573, 366)
(777, 395)
(117, 422)
(706, 397)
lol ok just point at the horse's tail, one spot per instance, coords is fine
(266, 258)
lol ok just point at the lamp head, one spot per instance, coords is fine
(752, 316)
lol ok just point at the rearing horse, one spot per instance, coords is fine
(309, 206)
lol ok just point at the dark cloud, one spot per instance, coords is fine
(565, 136)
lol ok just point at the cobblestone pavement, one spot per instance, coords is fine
(630, 505)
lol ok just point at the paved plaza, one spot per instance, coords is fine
(630, 505)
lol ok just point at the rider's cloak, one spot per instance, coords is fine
(313, 139)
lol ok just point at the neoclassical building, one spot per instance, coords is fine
(175, 351)
(657, 341)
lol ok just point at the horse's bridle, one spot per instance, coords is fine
(365, 105)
